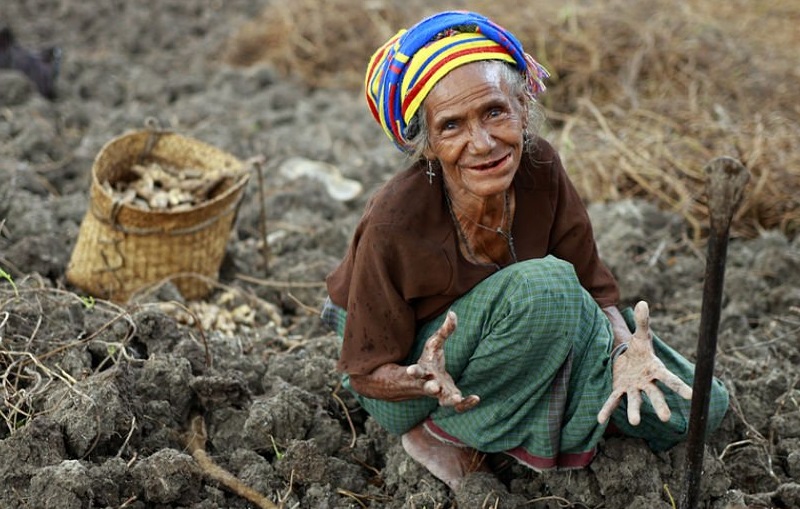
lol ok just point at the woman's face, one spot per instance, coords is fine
(475, 129)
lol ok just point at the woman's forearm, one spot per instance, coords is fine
(621, 331)
(389, 382)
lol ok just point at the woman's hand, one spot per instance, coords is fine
(636, 370)
(430, 370)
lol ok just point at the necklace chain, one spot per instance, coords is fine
(499, 230)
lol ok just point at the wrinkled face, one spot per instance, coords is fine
(475, 129)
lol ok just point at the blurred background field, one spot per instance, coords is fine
(643, 93)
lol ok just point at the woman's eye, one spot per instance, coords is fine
(495, 112)
(449, 125)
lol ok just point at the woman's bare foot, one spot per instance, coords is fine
(449, 463)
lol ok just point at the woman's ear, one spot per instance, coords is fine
(428, 152)
(524, 112)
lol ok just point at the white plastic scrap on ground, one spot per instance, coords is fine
(338, 187)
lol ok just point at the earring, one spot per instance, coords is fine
(430, 173)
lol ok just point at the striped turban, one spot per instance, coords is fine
(403, 71)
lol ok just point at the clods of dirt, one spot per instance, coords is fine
(99, 397)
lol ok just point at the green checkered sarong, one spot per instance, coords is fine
(535, 346)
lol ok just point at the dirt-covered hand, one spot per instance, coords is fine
(430, 370)
(636, 371)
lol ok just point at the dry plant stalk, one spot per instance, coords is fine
(26, 375)
(195, 440)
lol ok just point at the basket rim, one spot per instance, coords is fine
(238, 183)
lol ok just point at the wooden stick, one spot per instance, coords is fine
(727, 178)
(258, 163)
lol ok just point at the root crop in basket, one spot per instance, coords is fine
(159, 186)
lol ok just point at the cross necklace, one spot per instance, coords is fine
(499, 230)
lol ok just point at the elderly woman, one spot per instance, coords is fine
(474, 310)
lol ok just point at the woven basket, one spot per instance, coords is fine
(122, 248)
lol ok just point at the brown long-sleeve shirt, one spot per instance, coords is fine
(404, 266)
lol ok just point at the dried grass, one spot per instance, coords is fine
(643, 94)
(312, 39)
(29, 366)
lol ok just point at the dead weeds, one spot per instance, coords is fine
(643, 93)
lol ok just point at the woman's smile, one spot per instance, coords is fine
(490, 165)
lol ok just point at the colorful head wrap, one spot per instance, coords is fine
(403, 71)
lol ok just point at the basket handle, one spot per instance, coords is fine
(155, 130)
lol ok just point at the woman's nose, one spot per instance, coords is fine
(481, 138)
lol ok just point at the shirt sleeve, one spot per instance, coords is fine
(380, 325)
(572, 239)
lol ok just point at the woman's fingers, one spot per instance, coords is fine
(634, 400)
(634, 407)
(672, 381)
(637, 371)
(467, 403)
(457, 402)
(447, 327)
(416, 371)
(436, 342)
(659, 402)
(450, 322)
(609, 406)
(641, 315)
(433, 388)
(431, 368)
